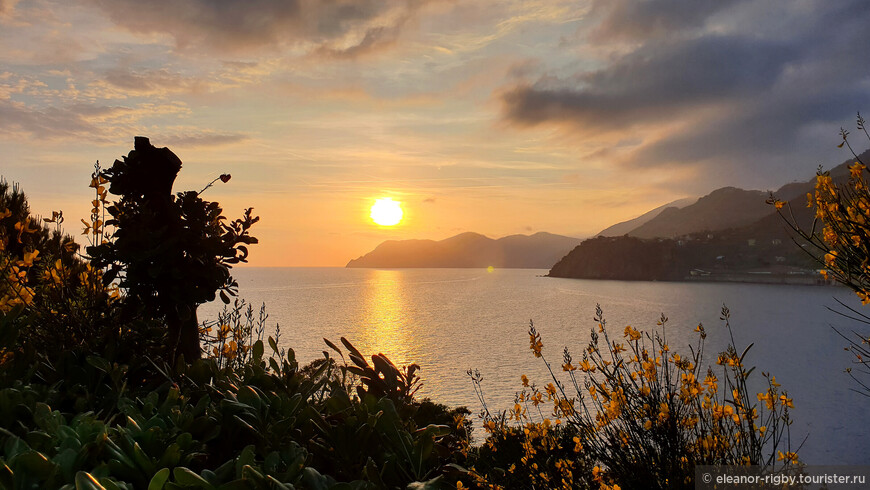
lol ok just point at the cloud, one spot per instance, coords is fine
(7, 6)
(91, 122)
(336, 27)
(197, 138)
(151, 81)
(722, 94)
(642, 85)
(633, 20)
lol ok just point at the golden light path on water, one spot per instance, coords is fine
(384, 317)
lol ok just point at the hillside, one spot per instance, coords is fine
(747, 242)
(626, 227)
(470, 250)
(728, 207)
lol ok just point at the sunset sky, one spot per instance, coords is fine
(494, 116)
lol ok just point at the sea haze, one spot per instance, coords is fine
(450, 320)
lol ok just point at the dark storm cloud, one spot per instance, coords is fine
(235, 25)
(655, 78)
(743, 93)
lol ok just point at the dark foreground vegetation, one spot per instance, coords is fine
(101, 385)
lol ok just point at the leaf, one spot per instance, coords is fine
(258, 350)
(435, 430)
(187, 477)
(159, 479)
(142, 459)
(745, 351)
(99, 363)
(224, 298)
(437, 483)
(352, 349)
(34, 463)
(86, 481)
(333, 347)
(7, 478)
(109, 484)
(246, 458)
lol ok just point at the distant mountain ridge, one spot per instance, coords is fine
(729, 234)
(626, 227)
(470, 250)
(728, 207)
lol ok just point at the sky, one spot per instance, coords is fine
(493, 116)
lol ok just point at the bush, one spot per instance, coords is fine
(639, 416)
(839, 240)
(260, 423)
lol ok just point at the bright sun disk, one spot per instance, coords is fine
(386, 212)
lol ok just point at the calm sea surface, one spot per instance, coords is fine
(450, 320)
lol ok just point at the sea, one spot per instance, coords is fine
(449, 321)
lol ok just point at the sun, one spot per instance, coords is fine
(386, 212)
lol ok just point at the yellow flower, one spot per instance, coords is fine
(525, 380)
(29, 257)
(631, 333)
(551, 390)
(664, 411)
(535, 343)
(788, 457)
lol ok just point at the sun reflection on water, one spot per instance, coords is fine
(386, 324)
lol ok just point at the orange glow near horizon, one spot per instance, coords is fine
(386, 212)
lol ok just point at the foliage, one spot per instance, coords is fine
(840, 238)
(169, 253)
(41, 273)
(256, 424)
(639, 416)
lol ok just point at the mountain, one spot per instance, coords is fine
(470, 250)
(728, 207)
(727, 235)
(625, 227)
